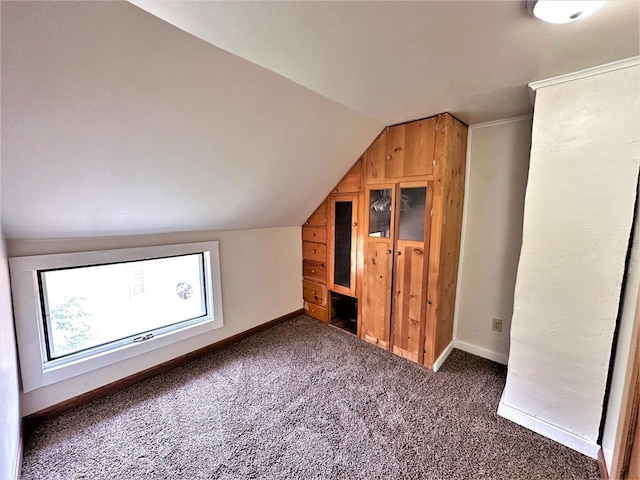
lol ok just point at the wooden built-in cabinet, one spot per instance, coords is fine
(388, 235)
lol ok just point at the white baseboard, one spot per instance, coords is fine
(548, 430)
(481, 352)
(443, 356)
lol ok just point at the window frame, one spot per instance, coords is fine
(38, 371)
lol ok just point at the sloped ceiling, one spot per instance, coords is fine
(396, 61)
(115, 122)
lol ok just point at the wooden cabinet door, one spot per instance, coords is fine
(394, 152)
(419, 148)
(413, 227)
(342, 239)
(377, 264)
(402, 152)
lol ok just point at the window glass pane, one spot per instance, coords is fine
(412, 213)
(380, 213)
(342, 244)
(90, 306)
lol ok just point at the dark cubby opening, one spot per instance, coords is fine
(344, 312)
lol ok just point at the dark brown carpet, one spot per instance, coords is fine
(301, 400)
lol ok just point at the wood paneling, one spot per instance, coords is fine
(407, 318)
(313, 234)
(394, 153)
(319, 217)
(375, 159)
(626, 448)
(634, 456)
(602, 466)
(376, 292)
(352, 181)
(315, 270)
(453, 167)
(314, 292)
(316, 252)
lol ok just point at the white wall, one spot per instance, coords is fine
(9, 386)
(260, 271)
(623, 346)
(577, 220)
(497, 170)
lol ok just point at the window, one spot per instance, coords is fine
(90, 309)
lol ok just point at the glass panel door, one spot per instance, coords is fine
(341, 249)
(408, 307)
(343, 243)
(380, 205)
(412, 210)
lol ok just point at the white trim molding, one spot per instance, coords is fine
(587, 72)
(501, 121)
(443, 356)
(548, 430)
(481, 352)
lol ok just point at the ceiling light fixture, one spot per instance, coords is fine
(563, 11)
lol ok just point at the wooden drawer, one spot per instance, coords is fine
(319, 217)
(314, 292)
(316, 311)
(316, 270)
(314, 251)
(314, 234)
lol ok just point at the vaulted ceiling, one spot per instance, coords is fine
(231, 115)
(396, 61)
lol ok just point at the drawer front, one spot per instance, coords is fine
(314, 292)
(314, 251)
(317, 270)
(311, 234)
(316, 311)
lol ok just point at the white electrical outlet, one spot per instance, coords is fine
(496, 325)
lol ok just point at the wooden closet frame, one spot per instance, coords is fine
(624, 442)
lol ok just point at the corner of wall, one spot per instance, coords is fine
(506, 142)
(10, 416)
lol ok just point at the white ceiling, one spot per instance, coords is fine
(115, 122)
(397, 61)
